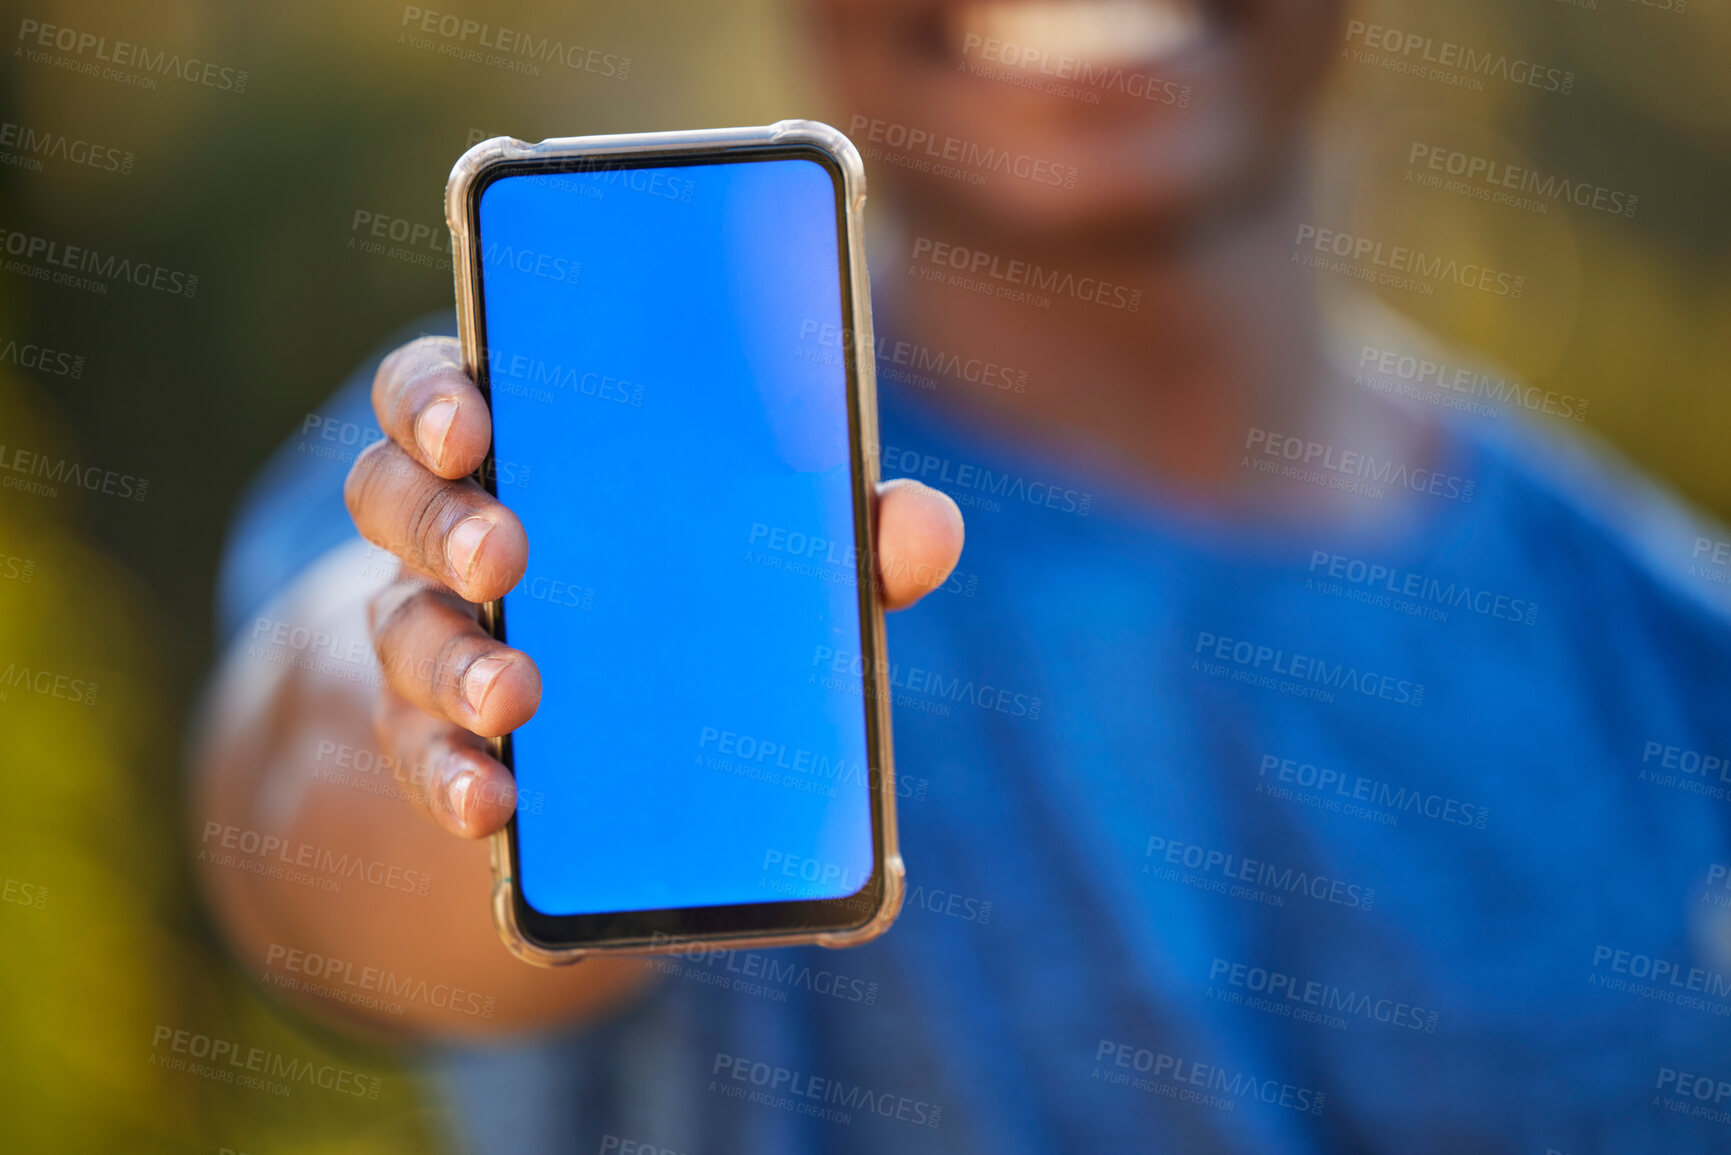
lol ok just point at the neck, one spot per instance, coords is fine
(1227, 338)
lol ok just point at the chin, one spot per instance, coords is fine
(1071, 117)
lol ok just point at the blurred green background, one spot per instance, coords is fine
(257, 192)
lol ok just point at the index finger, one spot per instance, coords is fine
(427, 404)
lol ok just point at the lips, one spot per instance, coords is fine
(1101, 33)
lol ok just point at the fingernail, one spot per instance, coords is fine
(433, 426)
(463, 545)
(478, 680)
(458, 794)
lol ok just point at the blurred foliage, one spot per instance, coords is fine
(103, 949)
(1631, 313)
(257, 193)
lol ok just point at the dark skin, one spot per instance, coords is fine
(1194, 206)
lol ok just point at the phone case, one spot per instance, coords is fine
(702, 143)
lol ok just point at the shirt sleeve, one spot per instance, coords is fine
(292, 513)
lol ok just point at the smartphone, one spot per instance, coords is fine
(673, 333)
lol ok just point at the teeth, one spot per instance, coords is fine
(1100, 32)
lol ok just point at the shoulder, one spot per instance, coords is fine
(1595, 521)
(1615, 547)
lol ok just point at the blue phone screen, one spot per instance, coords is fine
(670, 422)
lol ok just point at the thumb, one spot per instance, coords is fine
(919, 540)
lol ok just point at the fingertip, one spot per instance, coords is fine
(487, 554)
(476, 795)
(932, 512)
(433, 430)
(426, 402)
(920, 538)
(463, 429)
(359, 474)
(502, 691)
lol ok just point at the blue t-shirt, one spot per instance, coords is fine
(1217, 841)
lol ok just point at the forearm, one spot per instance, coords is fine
(324, 878)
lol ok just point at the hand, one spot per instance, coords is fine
(448, 683)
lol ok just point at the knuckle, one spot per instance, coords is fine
(387, 378)
(401, 370)
(354, 488)
(384, 724)
(362, 479)
(455, 654)
(389, 610)
(432, 510)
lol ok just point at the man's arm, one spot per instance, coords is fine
(341, 788)
(315, 863)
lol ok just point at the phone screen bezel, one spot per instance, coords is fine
(798, 918)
